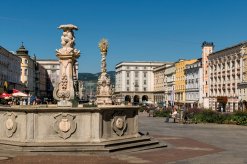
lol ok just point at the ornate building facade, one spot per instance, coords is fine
(242, 86)
(159, 83)
(225, 73)
(207, 48)
(27, 69)
(193, 88)
(180, 81)
(10, 71)
(169, 85)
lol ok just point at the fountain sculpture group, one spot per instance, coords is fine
(67, 127)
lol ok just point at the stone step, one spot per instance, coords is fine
(138, 145)
(127, 141)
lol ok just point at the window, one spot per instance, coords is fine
(25, 72)
(144, 74)
(25, 61)
(144, 82)
(136, 83)
(128, 89)
(128, 74)
(127, 82)
(144, 89)
(136, 74)
(233, 64)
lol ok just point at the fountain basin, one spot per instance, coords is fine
(104, 129)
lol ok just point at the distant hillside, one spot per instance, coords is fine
(94, 77)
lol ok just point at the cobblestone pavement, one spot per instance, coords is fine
(187, 143)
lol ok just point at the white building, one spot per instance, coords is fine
(225, 74)
(242, 86)
(193, 87)
(52, 67)
(135, 81)
(169, 85)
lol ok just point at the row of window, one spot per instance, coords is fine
(224, 79)
(192, 96)
(136, 74)
(136, 89)
(222, 92)
(128, 67)
(229, 65)
(136, 82)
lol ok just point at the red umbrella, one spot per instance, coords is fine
(5, 95)
(15, 91)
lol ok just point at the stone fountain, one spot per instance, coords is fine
(67, 127)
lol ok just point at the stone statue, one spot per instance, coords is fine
(68, 40)
(104, 85)
(66, 91)
(103, 46)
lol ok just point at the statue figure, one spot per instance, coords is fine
(103, 45)
(68, 40)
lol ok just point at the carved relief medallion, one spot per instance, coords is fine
(119, 123)
(10, 124)
(64, 125)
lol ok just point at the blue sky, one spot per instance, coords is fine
(137, 30)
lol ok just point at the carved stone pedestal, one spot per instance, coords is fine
(65, 91)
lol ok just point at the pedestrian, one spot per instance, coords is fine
(174, 114)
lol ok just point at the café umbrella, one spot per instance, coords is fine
(5, 96)
(19, 94)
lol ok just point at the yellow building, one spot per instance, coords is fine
(180, 80)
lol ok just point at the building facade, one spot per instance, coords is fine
(159, 83)
(40, 80)
(225, 74)
(10, 71)
(242, 86)
(207, 48)
(135, 81)
(169, 85)
(52, 68)
(27, 69)
(180, 81)
(193, 88)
